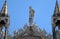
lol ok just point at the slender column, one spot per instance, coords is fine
(1, 30)
(6, 33)
(1, 33)
(54, 33)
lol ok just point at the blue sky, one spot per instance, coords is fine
(18, 11)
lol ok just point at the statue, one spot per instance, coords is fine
(31, 16)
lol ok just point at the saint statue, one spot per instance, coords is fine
(31, 15)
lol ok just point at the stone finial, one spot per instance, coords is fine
(4, 10)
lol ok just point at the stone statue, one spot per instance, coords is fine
(31, 15)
